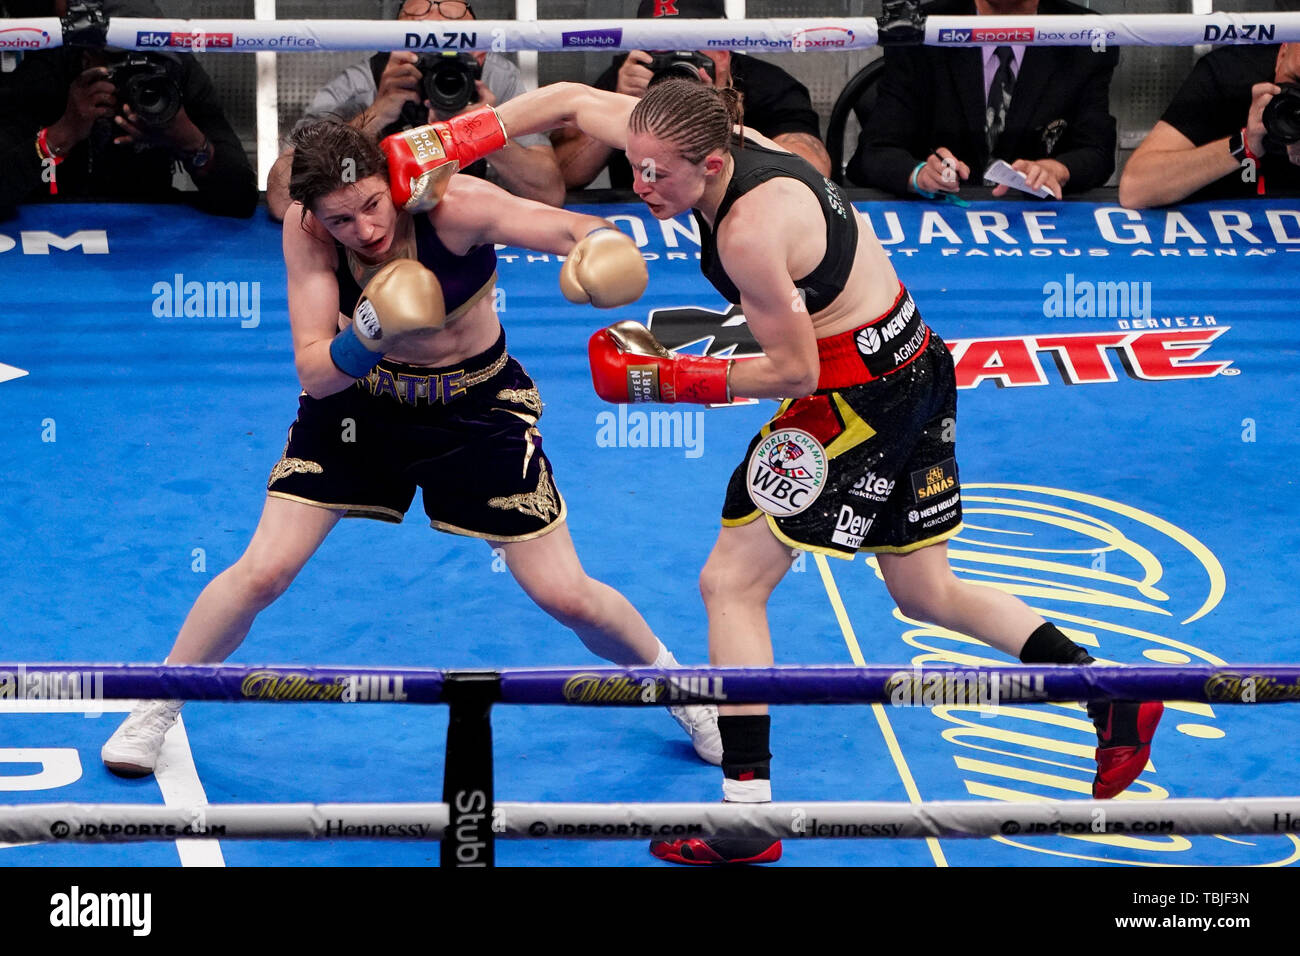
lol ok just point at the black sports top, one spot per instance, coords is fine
(756, 164)
(461, 277)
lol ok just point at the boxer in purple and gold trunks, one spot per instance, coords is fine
(407, 383)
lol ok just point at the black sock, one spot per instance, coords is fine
(745, 741)
(1047, 645)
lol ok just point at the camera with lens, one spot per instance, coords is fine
(684, 64)
(1282, 118)
(447, 80)
(149, 83)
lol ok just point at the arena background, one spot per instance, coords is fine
(1144, 82)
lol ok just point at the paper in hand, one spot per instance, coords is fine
(1003, 174)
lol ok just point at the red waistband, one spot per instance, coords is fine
(846, 361)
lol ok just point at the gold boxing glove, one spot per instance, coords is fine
(605, 269)
(402, 300)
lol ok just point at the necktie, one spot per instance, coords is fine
(995, 113)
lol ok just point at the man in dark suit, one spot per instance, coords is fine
(941, 113)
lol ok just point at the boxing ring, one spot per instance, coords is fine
(1132, 510)
(1128, 452)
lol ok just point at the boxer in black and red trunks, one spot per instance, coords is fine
(861, 453)
(407, 383)
(884, 446)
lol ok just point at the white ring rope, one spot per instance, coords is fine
(129, 823)
(787, 35)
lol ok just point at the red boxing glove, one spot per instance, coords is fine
(628, 364)
(421, 161)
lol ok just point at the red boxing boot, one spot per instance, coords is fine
(718, 851)
(1124, 732)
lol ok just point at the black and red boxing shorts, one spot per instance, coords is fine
(868, 461)
(465, 434)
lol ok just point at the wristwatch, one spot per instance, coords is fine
(1237, 145)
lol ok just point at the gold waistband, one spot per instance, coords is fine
(410, 387)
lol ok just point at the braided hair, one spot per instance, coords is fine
(698, 119)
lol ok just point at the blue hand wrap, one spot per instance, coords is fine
(350, 356)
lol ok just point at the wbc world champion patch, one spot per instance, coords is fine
(787, 472)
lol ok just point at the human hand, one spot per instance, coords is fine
(1039, 173)
(634, 76)
(179, 135)
(399, 84)
(942, 172)
(90, 97)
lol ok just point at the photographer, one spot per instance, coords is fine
(392, 91)
(1229, 132)
(776, 104)
(79, 124)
